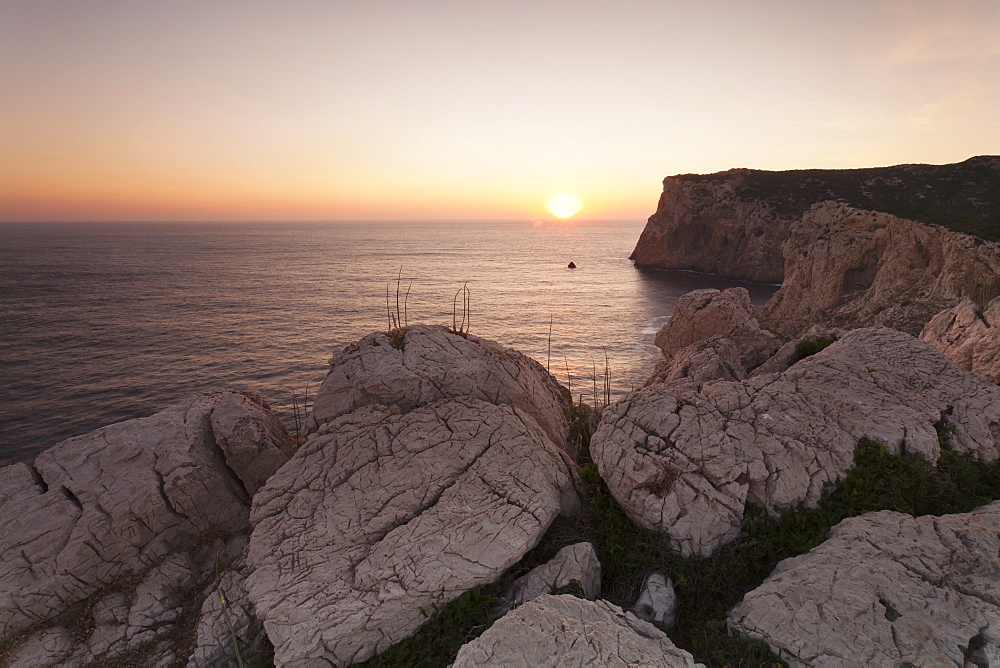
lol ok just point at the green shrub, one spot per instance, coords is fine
(811, 346)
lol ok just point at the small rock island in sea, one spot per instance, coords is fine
(816, 482)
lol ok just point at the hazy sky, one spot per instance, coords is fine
(143, 109)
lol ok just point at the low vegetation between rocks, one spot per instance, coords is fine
(708, 587)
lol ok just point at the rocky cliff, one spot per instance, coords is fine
(847, 267)
(733, 223)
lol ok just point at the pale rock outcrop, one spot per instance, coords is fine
(969, 336)
(125, 623)
(381, 515)
(574, 563)
(254, 442)
(569, 631)
(657, 603)
(227, 611)
(701, 314)
(118, 500)
(685, 461)
(712, 335)
(848, 267)
(47, 647)
(733, 223)
(885, 589)
(432, 363)
(703, 224)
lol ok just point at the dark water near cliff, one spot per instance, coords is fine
(109, 321)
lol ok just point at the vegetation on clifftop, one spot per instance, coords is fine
(964, 197)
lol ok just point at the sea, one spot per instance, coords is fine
(104, 322)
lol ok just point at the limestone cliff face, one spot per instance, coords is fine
(704, 225)
(853, 268)
(733, 223)
(969, 336)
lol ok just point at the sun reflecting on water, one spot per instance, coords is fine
(564, 204)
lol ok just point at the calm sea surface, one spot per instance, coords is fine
(109, 321)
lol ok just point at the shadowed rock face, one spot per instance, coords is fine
(969, 336)
(118, 500)
(433, 364)
(568, 631)
(733, 223)
(886, 589)
(684, 461)
(574, 563)
(382, 514)
(846, 267)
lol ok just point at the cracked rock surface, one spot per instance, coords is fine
(713, 335)
(121, 498)
(684, 460)
(214, 643)
(436, 364)
(969, 336)
(848, 267)
(569, 631)
(885, 589)
(702, 314)
(577, 563)
(382, 514)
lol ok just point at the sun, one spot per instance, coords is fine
(563, 204)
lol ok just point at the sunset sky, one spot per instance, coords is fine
(245, 109)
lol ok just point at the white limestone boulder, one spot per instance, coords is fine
(118, 500)
(382, 515)
(969, 336)
(433, 363)
(713, 334)
(886, 589)
(685, 460)
(569, 631)
(657, 603)
(574, 563)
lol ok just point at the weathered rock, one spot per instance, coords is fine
(574, 563)
(569, 631)
(382, 514)
(109, 637)
(969, 336)
(885, 589)
(788, 353)
(705, 225)
(657, 603)
(685, 461)
(432, 363)
(254, 442)
(733, 223)
(118, 500)
(712, 335)
(140, 620)
(157, 602)
(702, 314)
(227, 611)
(48, 647)
(847, 267)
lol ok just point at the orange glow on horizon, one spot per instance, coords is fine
(189, 110)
